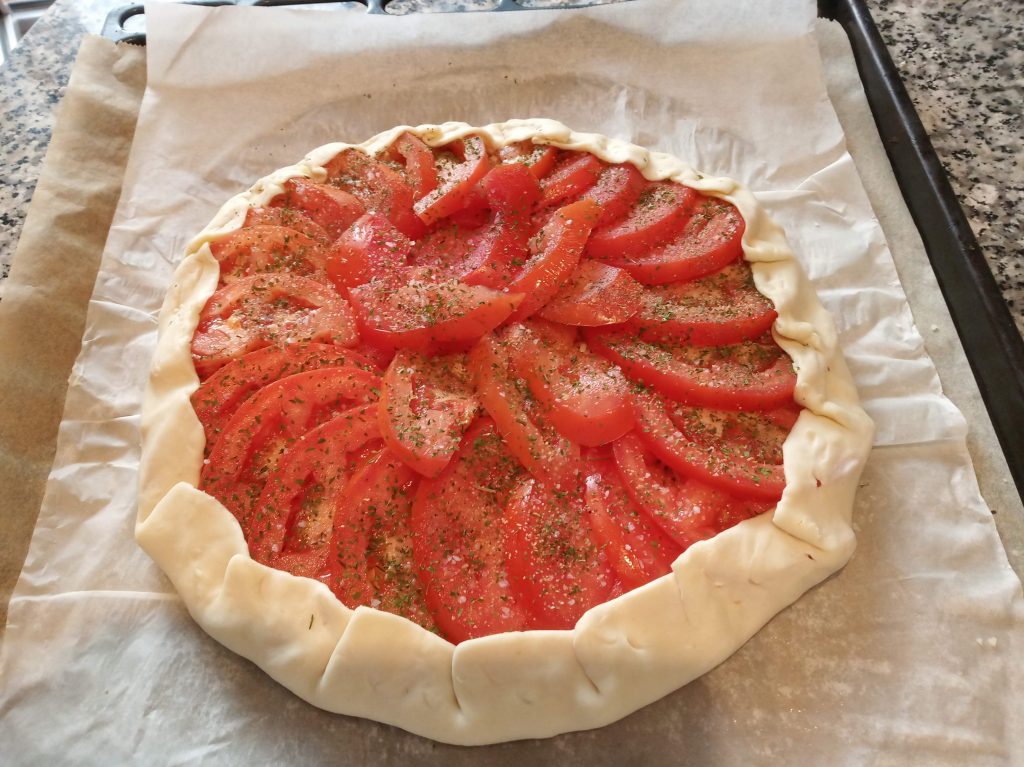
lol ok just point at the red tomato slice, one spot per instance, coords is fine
(455, 179)
(689, 511)
(291, 525)
(458, 545)
(420, 169)
(753, 375)
(556, 254)
(500, 251)
(429, 316)
(617, 189)
(538, 158)
(712, 239)
(370, 560)
(637, 549)
(595, 294)
(372, 248)
(220, 395)
(265, 310)
(426, 404)
(538, 446)
(380, 189)
(740, 453)
(331, 208)
(554, 562)
(660, 213)
(585, 397)
(257, 249)
(270, 421)
(570, 178)
(720, 309)
(289, 218)
(446, 249)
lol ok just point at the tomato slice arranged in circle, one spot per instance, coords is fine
(740, 453)
(269, 422)
(595, 294)
(554, 562)
(752, 375)
(380, 189)
(560, 245)
(617, 189)
(716, 310)
(420, 169)
(426, 404)
(291, 524)
(658, 215)
(429, 316)
(262, 310)
(331, 208)
(455, 179)
(586, 398)
(540, 159)
(458, 541)
(711, 240)
(372, 248)
(571, 178)
(638, 550)
(530, 437)
(289, 218)
(257, 249)
(687, 510)
(220, 395)
(370, 559)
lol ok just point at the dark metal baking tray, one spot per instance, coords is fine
(994, 347)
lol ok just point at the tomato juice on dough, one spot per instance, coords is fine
(487, 389)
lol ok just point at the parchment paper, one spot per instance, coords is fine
(910, 655)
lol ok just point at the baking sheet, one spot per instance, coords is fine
(98, 642)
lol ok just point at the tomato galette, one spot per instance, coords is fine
(494, 432)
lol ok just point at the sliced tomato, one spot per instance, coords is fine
(455, 179)
(426, 405)
(594, 294)
(458, 544)
(446, 249)
(555, 564)
(420, 169)
(617, 190)
(556, 254)
(638, 550)
(270, 421)
(752, 375)
(291, 525)
(711, 240)
(538, 158)
(658, 215)
(220, 395)
(688, 510)
(571, 177)
(429, 316)
(379, 188)
(258, 249)
(289, 218)
(500, 251)
(265, 310)
(530, 438)
(331, 208)
(370, 560)
(372, 248)
(586, 398)
(716, 310)
(740, 453)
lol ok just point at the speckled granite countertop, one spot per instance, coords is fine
(961, 62)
